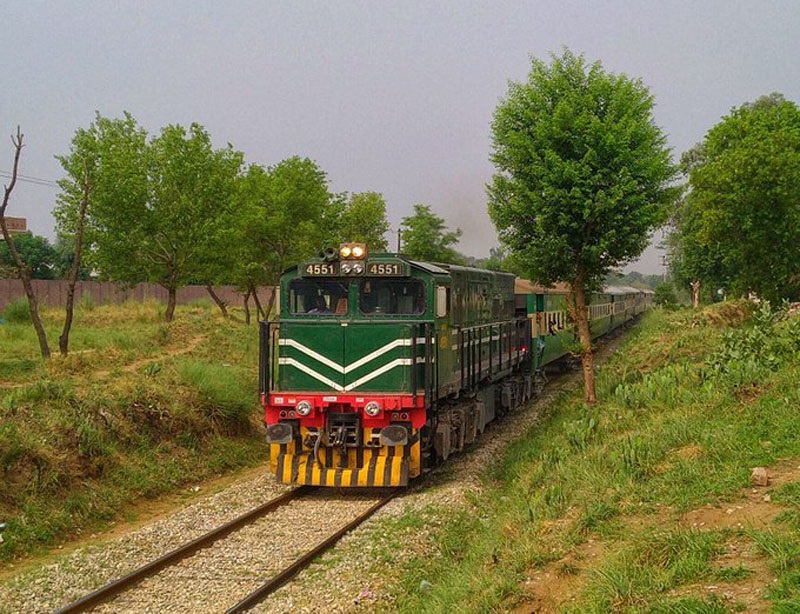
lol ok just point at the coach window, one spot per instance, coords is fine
(391, 297)
(317, 297)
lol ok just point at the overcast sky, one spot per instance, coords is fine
(395, 97)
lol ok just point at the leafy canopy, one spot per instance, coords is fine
(582, 171)
(425, 237)
(363, 220)
(153, 203)
(738, 227)
(289, 215)
(36, 252)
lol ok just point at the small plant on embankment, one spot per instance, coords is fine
(139, 408)
(641, 503)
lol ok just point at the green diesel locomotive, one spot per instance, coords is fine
(378, 366)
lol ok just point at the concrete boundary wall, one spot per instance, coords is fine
(53, 293)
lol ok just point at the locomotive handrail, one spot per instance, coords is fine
(274, 328)
(413, 351)
(428, 364)
(263, 357)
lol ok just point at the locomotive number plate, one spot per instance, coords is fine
(321, 269)
(387, 269)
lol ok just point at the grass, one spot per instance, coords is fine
(689, 403)
(136, 410)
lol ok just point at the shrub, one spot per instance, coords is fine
(17, 312)
(86, 303)
(664, 295)
(750, 352)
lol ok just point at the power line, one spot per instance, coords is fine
(29, 179)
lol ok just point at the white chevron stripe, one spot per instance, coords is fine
(291, 362)
(309, 352)
(380, 351)
(380, 371)
(352, 366)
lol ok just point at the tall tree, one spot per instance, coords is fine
(738, 227)
(22, 268)
(110, 156)
(73, 202)
(582, 178)
(288, 214)
(424, 236)
(363, 220)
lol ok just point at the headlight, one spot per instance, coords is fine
(345, 251)
(303, 408)
(358, 251)
(358, 268)
(346, 268)
(372, 408)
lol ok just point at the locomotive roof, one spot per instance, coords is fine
(524, 286)
(428, 267)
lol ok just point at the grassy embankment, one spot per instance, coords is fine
(137, 409)
(644, 502)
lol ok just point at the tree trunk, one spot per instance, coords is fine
(220, 303)
(33, 306)
(24, 271)
(580, 317)
(63, 340)
(171, 294)
(259, 309)
(695, 285)
(247, 307)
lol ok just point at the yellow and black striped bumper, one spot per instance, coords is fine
(377, 470)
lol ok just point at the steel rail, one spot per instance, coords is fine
(281, 578)
(104, 593)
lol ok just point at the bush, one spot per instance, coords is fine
(664, 295)
(17, 312)
(86, 302)
(748, 353)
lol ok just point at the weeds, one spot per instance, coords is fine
(687, 405)
(120, 418)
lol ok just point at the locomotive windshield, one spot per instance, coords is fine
(317, 297)
(391, 297)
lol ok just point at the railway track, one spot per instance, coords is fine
(181, 577)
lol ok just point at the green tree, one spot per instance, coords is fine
(288, 215)
(113, 153)
(738, 226)
(425, 237)
(153, 204)
(23, 270)
(363, 220)
(36, 252)
(582, 178)
(81, 166)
